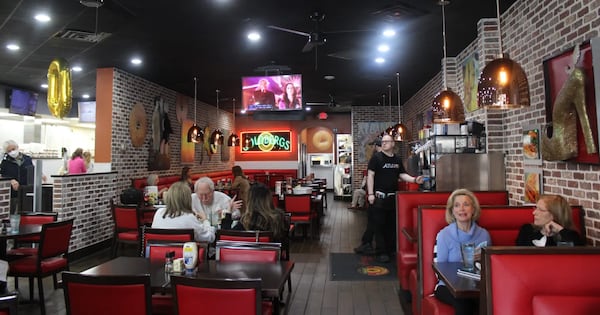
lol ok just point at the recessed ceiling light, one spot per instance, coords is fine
(13, 47)
(329, 77)
(308, 109)
(243, 111)
(254, 36)
(389, 32)
(136, 61)
(85, 96)
(42, 17)
(77, 69)
(383, 48)
(44, 86)
(379, 60)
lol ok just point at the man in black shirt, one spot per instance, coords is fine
(382, 183)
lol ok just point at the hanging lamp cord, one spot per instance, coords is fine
(195, 96)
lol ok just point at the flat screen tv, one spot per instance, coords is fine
(87, 111)
(272, 93)
(23, 102)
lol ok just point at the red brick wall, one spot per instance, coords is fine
(531, 32)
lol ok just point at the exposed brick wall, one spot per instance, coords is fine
(4, 198)
(87, 199)
(131, 162)
(532, 31)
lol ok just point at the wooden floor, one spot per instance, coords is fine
(313, 293)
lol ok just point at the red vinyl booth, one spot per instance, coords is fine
(540, 281)
(503, 224)
(407, 203)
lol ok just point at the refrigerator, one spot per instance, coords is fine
(342, 178)
(321, 165)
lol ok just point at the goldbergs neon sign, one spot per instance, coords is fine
(266, 141)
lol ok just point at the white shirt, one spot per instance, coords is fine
(220, 202)
(203, 232)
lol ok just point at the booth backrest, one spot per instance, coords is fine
(548, 281)
(166, 181)
(407, 203)
(502, 222)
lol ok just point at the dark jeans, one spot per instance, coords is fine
(381, 225)
(461, 306)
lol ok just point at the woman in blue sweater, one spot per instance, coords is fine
(462, 212)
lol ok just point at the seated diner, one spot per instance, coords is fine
(261, 215)
(213, 204)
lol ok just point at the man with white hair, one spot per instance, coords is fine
(15, 165)
(211, 204)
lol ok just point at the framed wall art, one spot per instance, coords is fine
(532, 154)
(533, 185)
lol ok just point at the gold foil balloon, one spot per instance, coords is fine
(59, 88)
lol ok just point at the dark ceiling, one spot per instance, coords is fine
(178, 40)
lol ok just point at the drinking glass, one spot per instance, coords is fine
(468, 256)
(15, 221)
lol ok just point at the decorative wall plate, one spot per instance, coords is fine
(137, 125)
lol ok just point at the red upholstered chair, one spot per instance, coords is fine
(301, 209)
(173, 235)
(22, 244)
(9, 303)
(100, 295)
(218, 296)
(248, 251)
(50, 259)
(127, 220)
(519, 281)
(244, 236)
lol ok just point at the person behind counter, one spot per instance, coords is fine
(178, 214)
(76, 163)
(213, 204)
(241, 183)
(552, 223)
(87, 158)
(17, 166)
(261, 215)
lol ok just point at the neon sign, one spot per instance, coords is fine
(266, 141)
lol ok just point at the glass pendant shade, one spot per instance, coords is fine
(233, 140)
(447, 107)
(216, 137)
(503, 85)
(195, 134)
(399, 132)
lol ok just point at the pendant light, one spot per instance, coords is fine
(216, 138)
(195, 134)
(447, 106)
(503, 83)
(233, 140)
(400, 132)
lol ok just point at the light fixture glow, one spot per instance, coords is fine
(379, 60)
(77, 68)
(136, 61)
(85, 96)
(42, 17)
(13, 47)
(389, 32)
(383, 48)
(254, 36)
(44, 85)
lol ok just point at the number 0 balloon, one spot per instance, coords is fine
(59, 88)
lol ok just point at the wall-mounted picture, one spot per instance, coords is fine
(532, 179)
(470, 70)
(531, 145)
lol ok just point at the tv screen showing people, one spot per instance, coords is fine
(272, 93)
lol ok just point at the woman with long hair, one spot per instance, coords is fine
(76, 163)
(186, 177)
(260, 213)
(241, 183)
(289, 98)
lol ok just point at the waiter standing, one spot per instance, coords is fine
(17, 166)
(384, 169)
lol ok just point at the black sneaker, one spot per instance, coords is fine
(383, 258)
(363, 248)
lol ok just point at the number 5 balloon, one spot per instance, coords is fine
(59, 88)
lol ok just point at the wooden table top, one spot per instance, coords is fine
(459, 287)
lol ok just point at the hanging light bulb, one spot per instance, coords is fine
(195, 134)
(216, 138)
(400, 132)
(447, 107)
(503, 83)
(233, 140)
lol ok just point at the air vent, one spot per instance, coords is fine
(82, 36)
